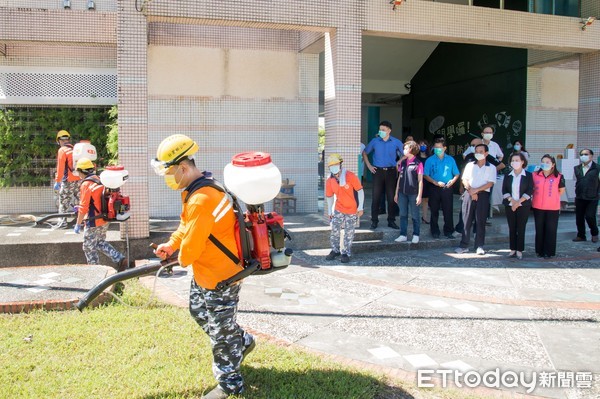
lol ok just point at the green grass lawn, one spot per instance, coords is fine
(158, 351)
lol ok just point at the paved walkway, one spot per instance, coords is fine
(428, 308)
(435, 309)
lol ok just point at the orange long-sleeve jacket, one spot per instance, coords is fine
(90, 202)
(207, 211)
(64, 164)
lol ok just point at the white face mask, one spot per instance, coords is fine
(516, 164)
(334, 169)
(479, 156)
(406, 152)
(584, 158)
(488, 136)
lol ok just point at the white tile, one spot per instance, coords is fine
(308, 301)
(70, 233)
(465, 307)
(44, 281)
(420, 360)
(438, 303)
(456, 365)
(70, 280)
(3, 273)
(384, 352)
(37, 289)
(49, 275)
(289, 295)
(273, 290)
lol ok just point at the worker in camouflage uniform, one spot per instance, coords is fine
(65, 181)
(345, 191)
(89, 211)
(207, 222)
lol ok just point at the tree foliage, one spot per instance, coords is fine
(28, 140)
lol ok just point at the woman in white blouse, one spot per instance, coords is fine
(517, 189)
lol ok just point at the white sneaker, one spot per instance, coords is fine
(480, 251)
(401, 239)
(415, 240)
(460, 250)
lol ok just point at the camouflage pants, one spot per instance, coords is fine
(215, 312)
(68, 196)
(94, 239)
(348, 222)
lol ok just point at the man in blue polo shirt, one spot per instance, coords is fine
(385, 149)
(441, 171)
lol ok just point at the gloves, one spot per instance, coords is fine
(76, 209)
(56, 186)
(77, 229)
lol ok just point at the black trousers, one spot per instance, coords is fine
(384, 183)
(517, 223)
(441, 198)
(474, 211)
(585, 211)
(546, 226)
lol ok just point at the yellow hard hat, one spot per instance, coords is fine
(172, 150)
(84, 164)
(334, 159)
(62, 135)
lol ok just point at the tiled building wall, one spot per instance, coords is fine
(550, 127)
(343, 94)
(225, 124)
(272, 23)
(101, 5)
(96, 48)
(588, 123)
(133, 112)
(425, 20)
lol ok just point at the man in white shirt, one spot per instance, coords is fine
(494, 149)
(478, 179)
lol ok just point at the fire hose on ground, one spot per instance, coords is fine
(122, 276)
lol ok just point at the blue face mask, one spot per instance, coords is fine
(382, 134)
(517, 147)
(423, 148)
(334, 169)
(545, 166)
(438, 151)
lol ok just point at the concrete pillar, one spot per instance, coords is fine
(133, 112)
(588, 116)
(343, 57)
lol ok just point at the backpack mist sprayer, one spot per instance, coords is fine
(83, 149)
(254, 179)
(260, 236)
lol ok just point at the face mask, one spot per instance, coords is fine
(76, 173)
(488, 136)
(406, 152)
(479, 156)
(382, 134)
(546, 166)
(516, 164)
(438, 151)
(171, 180)
(334, 169)
(517, 147)
(423, 148)
(584, 158)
